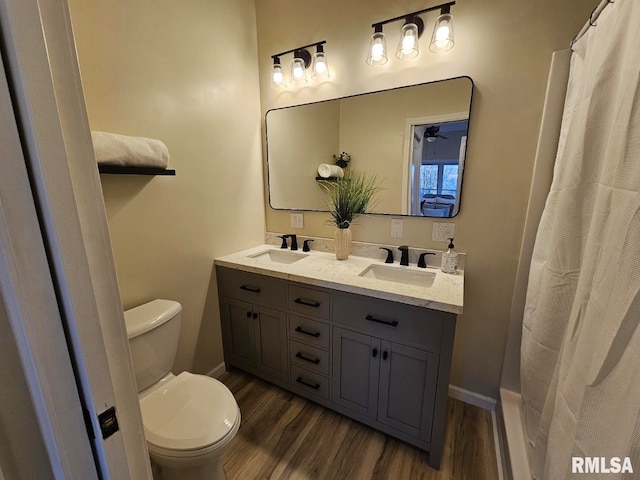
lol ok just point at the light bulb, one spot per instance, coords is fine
(277, 77)
(442, 38)
(377, 48)
(408, 42)
(377, 51)
(320, 66)
(298, 75)
(408, 47)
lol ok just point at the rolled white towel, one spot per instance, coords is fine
(126, 151)
(326, 170)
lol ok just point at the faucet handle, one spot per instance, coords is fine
(305, 245)
(284, 240)
(421, 261)
(389, 254)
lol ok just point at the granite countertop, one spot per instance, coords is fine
(321, 269)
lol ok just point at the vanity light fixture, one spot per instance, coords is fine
(301, 61)
(408, 47)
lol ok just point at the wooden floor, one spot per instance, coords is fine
(283, 436)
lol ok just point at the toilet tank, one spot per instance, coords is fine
(153, 330)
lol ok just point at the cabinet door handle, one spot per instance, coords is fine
(308, 304)
(312, 334)
(250, 289)
(255, 315)
(314, 386)
(385, 354)
(371, 318)
(248, 314)
(310, 360)
(375, 352)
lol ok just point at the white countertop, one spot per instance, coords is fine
(321, 269)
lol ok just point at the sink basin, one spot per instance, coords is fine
(279, 256)
(399, 275)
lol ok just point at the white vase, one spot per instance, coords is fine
(342, 243)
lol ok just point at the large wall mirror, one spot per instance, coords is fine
(412, 138)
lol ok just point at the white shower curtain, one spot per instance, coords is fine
(580, 360)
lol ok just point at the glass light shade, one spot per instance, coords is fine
(277, 76)
(377, 50)
(442, 38)
(320, 67)
(408, 46)
(298, 72)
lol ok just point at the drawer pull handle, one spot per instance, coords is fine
(375, 352)
(308, 304)
(371, 318)
(250, 289)
(312, 334)
(310, 385)
(310, 360)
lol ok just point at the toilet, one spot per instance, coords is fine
(189, 420)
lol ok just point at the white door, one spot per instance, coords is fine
(59, 298)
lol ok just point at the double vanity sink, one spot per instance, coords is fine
(426, 287)
(370, 340)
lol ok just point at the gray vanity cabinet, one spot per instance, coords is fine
(254, 334)
(385, 381)
(381, 362)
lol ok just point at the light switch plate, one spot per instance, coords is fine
(297, 220)
(442, 231)
(396, 227)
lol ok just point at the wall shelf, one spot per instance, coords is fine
(327, 179)
(118, 170)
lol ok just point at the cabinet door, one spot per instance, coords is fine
(241, 332)
(271, 343)
(407, 389)
(356, 361)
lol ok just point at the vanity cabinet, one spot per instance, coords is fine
(383, 363)
(387, 382)
(254, 333)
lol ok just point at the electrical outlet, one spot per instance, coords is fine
(297, 220)
(396, 227)
(442, 232)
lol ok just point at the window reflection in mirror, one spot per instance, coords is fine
(412, 138)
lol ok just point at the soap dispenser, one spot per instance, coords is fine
(449, 259)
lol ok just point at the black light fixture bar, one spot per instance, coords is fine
(293, 50)
(443, 6)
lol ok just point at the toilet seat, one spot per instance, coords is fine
(189, 415)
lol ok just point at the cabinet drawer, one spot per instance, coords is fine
(310, 382)
(309, 331)
(250, 287)
(309, 301)
(309, 357)
(392, 321)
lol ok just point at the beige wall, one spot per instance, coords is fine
(505, 47)
(186, 73)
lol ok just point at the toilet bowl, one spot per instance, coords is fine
(189, 420)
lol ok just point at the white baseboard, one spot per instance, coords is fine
(472, 398)
(217, 371)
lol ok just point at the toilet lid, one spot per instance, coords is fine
(189, 412)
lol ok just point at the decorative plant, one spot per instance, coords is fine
(350, 197)
(342, 159)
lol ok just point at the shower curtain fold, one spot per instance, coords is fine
(580, 355)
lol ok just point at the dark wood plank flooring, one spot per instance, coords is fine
(284, 436)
